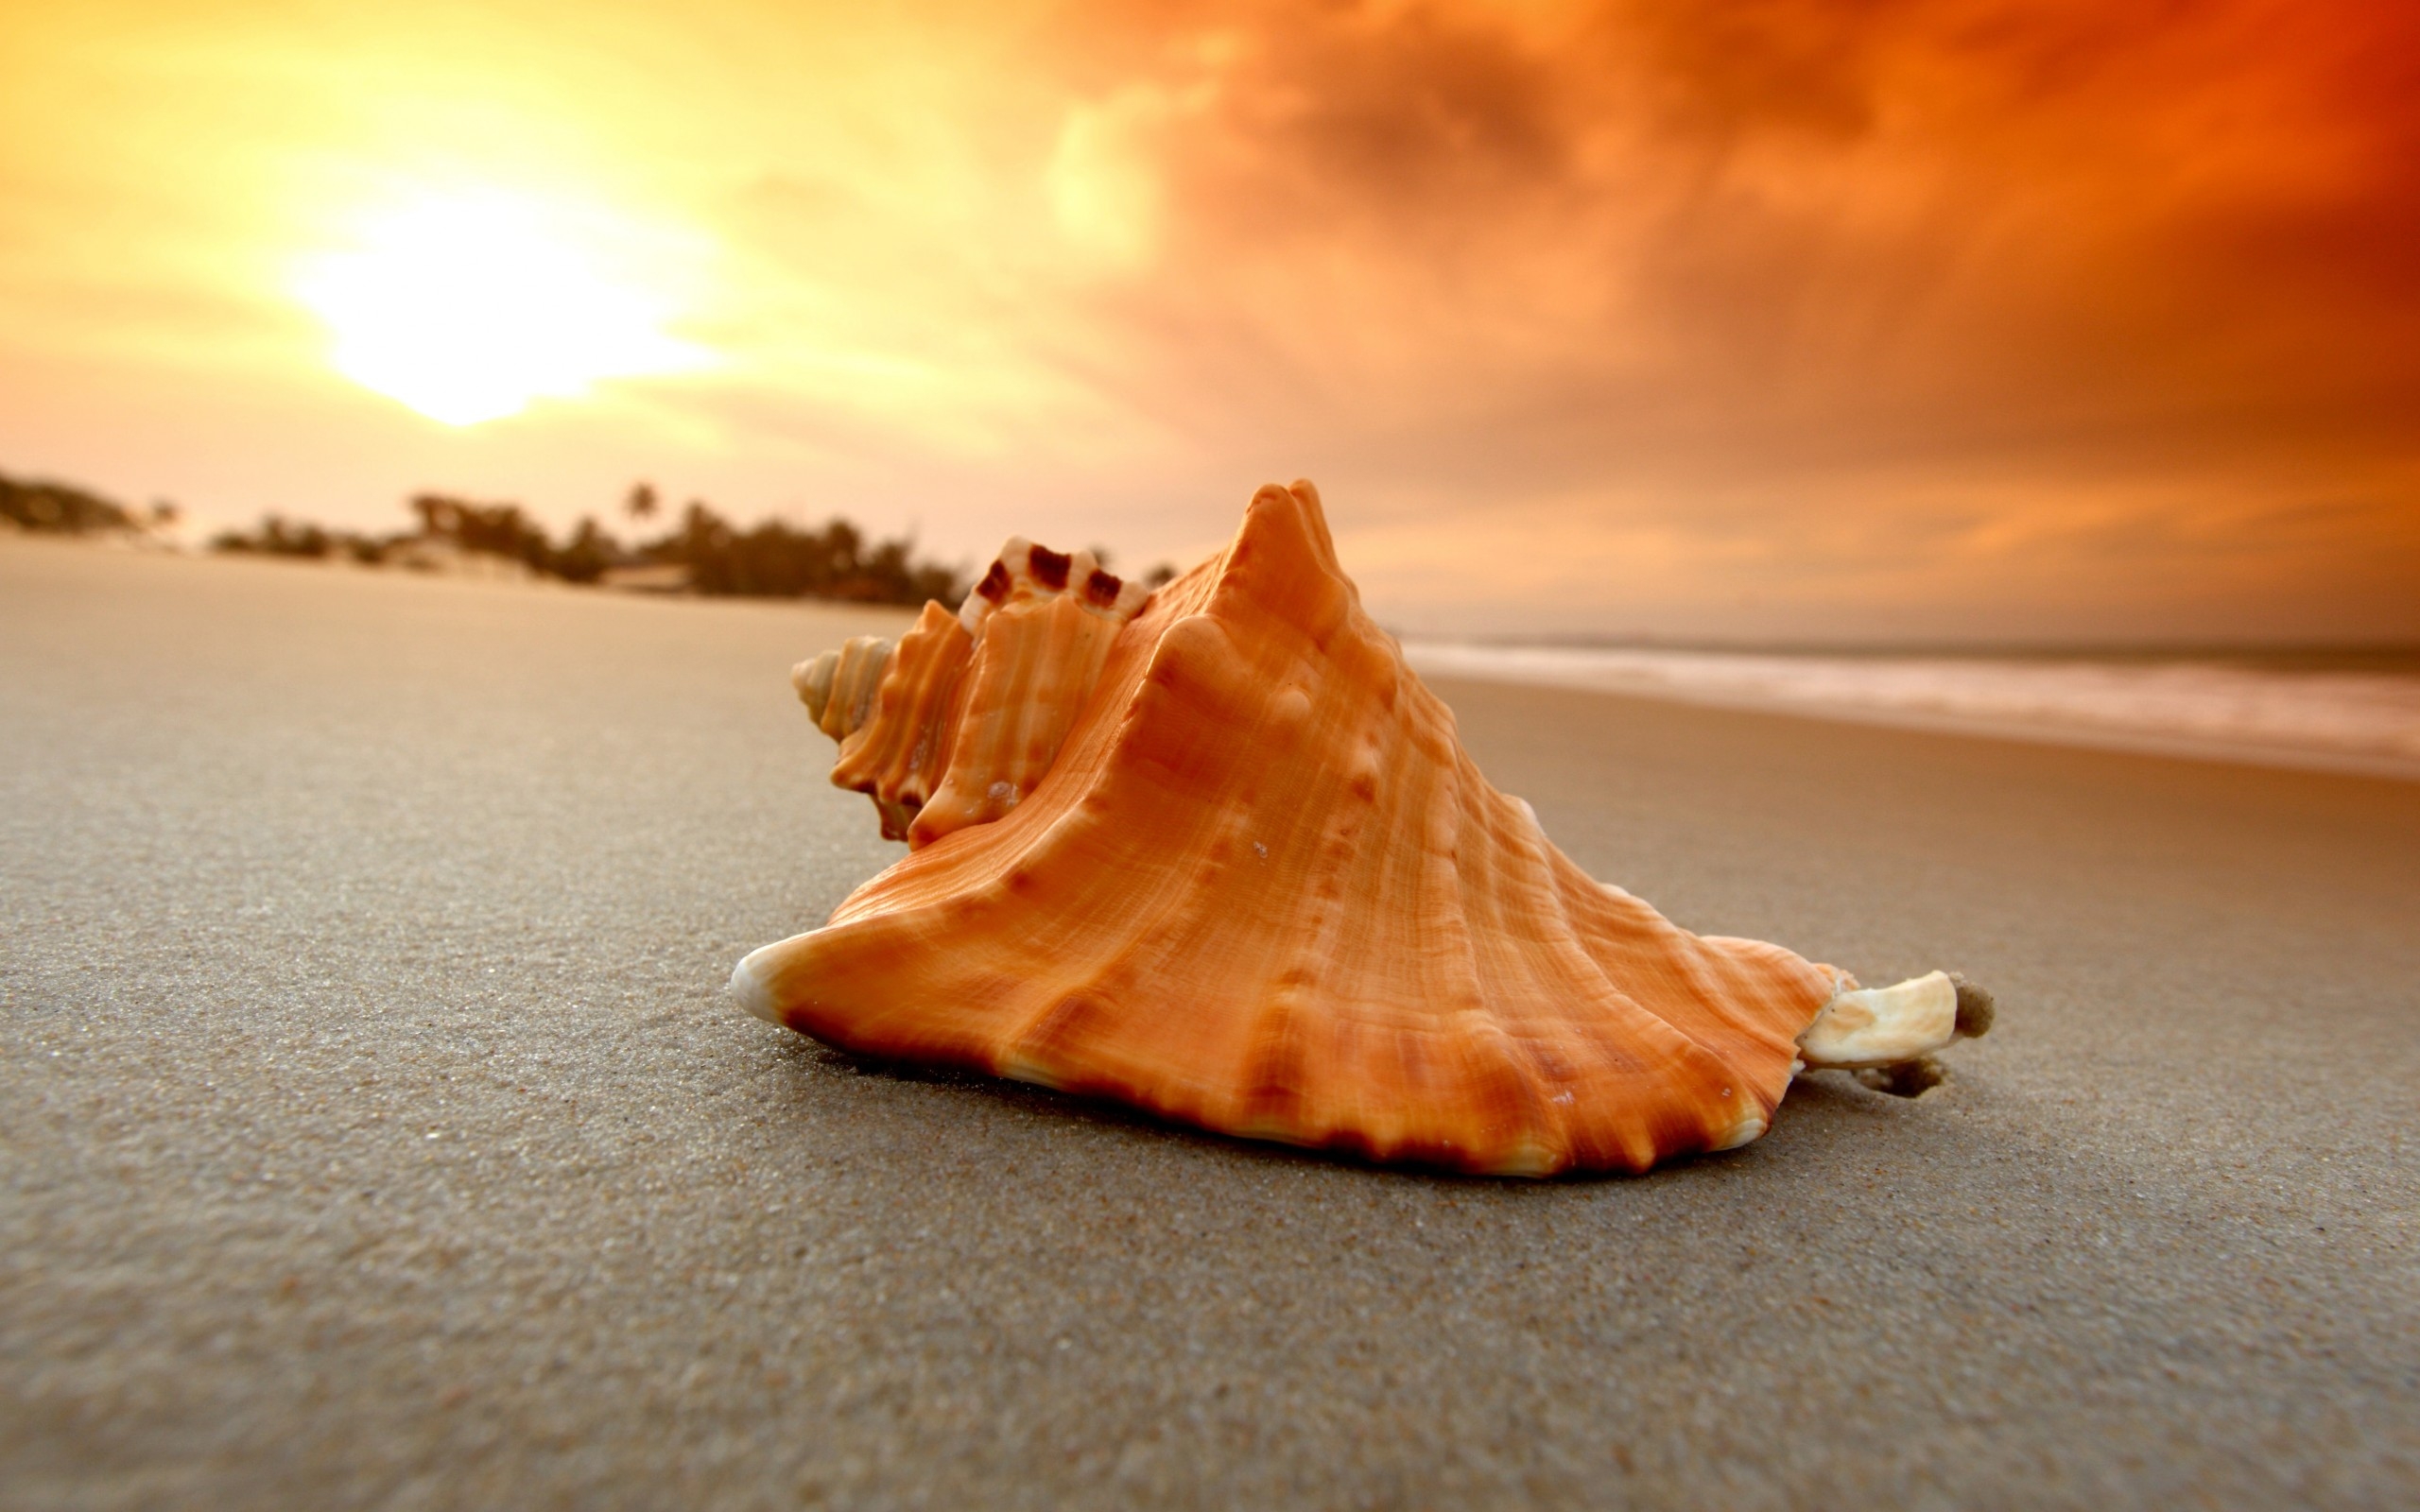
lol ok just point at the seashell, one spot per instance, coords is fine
(899, 749)
(838, 686)
(1219, 854)
(956, 724)
(1024, 572)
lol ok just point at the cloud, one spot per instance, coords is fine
(1923, 222)
(1871, 312)
(1767, 267)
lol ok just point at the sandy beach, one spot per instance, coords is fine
(375, 1132)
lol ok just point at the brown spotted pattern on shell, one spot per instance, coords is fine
(1219, 854)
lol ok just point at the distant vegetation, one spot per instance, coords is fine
(702, 553)
(276, 538)
(62, 508)
(706, 553)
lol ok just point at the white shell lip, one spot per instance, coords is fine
(749, 991)
(1753, 1123)
(1883, 1025)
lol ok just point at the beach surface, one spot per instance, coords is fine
(375, 1131)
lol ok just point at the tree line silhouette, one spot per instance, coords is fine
(773, 560)
(62, 508)
(701, 552)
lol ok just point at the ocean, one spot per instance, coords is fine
(2356, 710)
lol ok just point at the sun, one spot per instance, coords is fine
(468, 305)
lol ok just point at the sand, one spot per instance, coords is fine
(375, 1133)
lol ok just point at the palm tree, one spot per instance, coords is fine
(641, 504)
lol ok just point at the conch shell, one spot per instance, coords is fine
(1221, 855)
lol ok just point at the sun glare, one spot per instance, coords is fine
(468, 306)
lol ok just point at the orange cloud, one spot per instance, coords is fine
(1927, 318)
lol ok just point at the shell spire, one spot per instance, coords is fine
(956, 724)
(1221, 855)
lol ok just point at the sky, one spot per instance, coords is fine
(1896, 320)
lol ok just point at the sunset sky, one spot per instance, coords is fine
(1766, 318)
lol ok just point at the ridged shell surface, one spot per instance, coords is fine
(898, 754)
(1261, 888)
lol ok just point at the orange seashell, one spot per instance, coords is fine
(936, 756)
(898, 755)
(1227, 861)
(1023, 572)
(1032, 677)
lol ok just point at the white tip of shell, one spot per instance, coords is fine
(1883, 1025)
(1751, 1124)
(748, 989)
(1529, 1160)
(812, 678)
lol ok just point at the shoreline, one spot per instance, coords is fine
(1517, 665)
(1543, 667)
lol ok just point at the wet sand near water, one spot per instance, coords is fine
(376, 1134)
